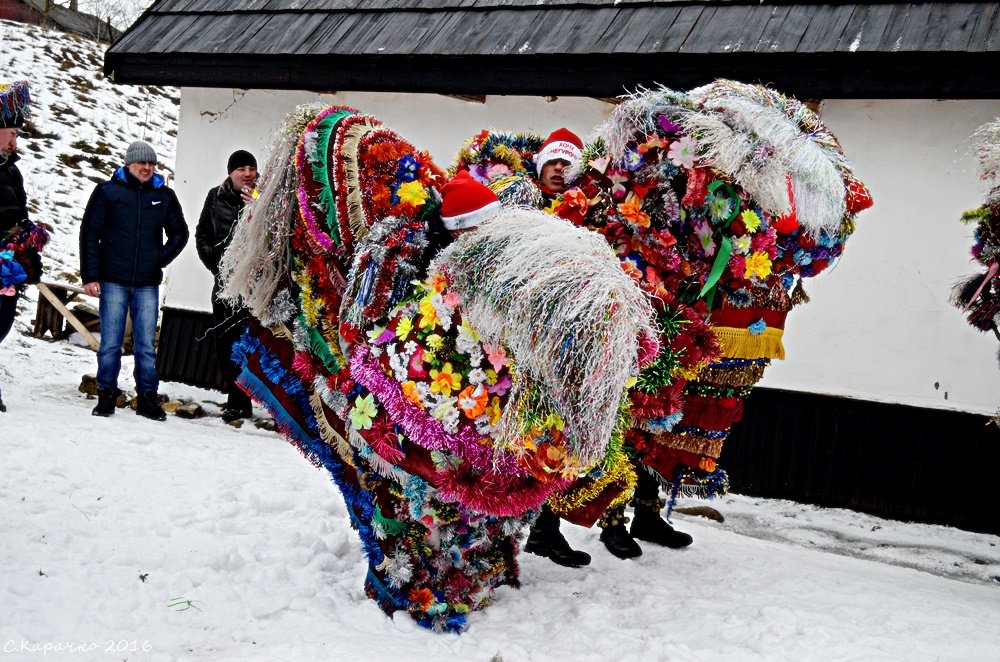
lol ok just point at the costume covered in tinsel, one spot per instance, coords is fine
(447, 400)
(718, 202)
(978, 296)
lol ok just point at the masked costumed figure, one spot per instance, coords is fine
(448, 391)
(979, 296)
(718, 202)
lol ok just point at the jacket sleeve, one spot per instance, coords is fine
(91, 229)
(204, 234)
(176, 230)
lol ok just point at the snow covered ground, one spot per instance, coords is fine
(128, 539)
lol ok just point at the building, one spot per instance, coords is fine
(883, 402)
(66, 19)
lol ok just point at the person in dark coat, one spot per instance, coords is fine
(219, 214)
(122, 256)
(20, 239)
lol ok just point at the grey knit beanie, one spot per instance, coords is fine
(139, 152)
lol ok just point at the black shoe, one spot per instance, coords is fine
(148, 405)
(233, 415)
(546, 540)
(107, 398)
(649, 526)
(617, 540)
(3, 407)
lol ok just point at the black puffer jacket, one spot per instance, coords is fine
(13, 201)
(121, 239)
(215, 225)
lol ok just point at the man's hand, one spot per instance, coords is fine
(92, 289)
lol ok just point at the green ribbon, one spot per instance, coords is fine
(721, 260)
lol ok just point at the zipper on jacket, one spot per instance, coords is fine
(138, 227)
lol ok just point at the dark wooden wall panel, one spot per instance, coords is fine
(894, 461)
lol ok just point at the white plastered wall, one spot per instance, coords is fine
(216, 122)
(879, 326)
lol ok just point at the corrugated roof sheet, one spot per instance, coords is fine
(571, 46)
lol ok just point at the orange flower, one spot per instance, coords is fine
(422, 598)
(707, 464)
(631, 209)
(428, 314)
(472, 400)
(576, 198)
(438, 283)
(410, 391)
(445, 380)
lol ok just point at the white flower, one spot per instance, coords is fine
(451, 420)
(477, 376)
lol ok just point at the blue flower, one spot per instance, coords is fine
(757, 327)
(407, 170)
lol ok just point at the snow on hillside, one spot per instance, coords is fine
(128, 539)
(80, 126)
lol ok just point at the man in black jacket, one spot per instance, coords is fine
(122, 256)
(215, 228)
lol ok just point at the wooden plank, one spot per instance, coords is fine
(785, 38)
(826, 25)
(914, 30)
(659, 19)
(864, 30)
(979, 40)
(958, 33)
(738, 28)
(68, 315)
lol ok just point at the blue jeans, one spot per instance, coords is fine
(143, 303)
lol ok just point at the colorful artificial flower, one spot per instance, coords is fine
(473, 400)
(751, 220)
(720, 207)
(631, 209)
(422, 598)
(499, 384)
(618, 181)
(493, 410)
(434, 341)
(667, 125)
(703, 232)
(758, 327)
(498, 170)
(758, 265)
(412, 193)
(631, 160)
(407, 170)
(682, 152)
(497, 356)
(438, 283)
(403, 328)
(410, 392)
(363, 412)
(428, 314)
(653, 141)
(741, 245)
(445, 380)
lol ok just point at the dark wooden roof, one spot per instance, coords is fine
(566, 47)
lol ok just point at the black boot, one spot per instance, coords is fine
(647, 524)
(148, 405)
(545, 540)
(614, 535)
(106, 401)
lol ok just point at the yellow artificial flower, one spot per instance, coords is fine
(759, 265)
(434, 341)
(403, 328)
(428, 314)
(750, 220)
(445, 380)
(412, 193)
(493, 411)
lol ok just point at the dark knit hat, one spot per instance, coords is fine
(240, 158)
(14, 102)
(140, 152)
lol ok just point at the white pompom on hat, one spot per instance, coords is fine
(561, 144)
(465, 203)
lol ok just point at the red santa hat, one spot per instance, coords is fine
(465, 203)
(561, 144)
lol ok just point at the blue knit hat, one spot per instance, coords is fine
(140, 152)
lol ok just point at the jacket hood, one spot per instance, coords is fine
(123, 176)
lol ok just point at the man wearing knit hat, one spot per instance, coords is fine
(132, 228)
(558, 153)
(219, 214)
